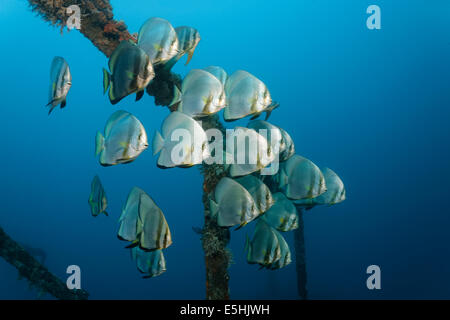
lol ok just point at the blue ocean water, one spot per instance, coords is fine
(373, 105)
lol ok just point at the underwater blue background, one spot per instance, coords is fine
(373, 105)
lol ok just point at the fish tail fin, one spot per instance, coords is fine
(247, 243)
(283, 179)
(158, 143)
(270, 108)
(234, 171)
(106, 80)
(197, 230)
(180, 107)
(226, 113)
(51, 109)
(139, 95)
(112, 98)
(190, 55)
(213, 208)
(106, 213)
(248, 247)
(99, 143)
(176, 96)
(226, 168)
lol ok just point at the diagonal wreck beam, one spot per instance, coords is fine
(97, 20)
(36, 274)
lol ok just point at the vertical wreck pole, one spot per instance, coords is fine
(217, 260)
(215, 238)
(300, 256)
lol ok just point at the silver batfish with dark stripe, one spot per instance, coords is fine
(60, 83)
(123, 141)
(201, 94)
(155, 232)
(300, 178)
(285, 252)
(335, 192)
(232, 204)
(282, 215)
(97, 198)
(130, 227)
(143, 223)
(131, 72)
(258, 190)
(159, 40)
(264, 248)
(246, 95)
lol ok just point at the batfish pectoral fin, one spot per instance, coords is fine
(63, 103)
(197, 230)
(270, 108)
(213, 208)
(255, 116)
(190, 55)
(158, 143)
(176, 96)
(139, 95)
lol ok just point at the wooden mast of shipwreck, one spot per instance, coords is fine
(37, 275)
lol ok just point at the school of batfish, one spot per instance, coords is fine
(244, 194)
